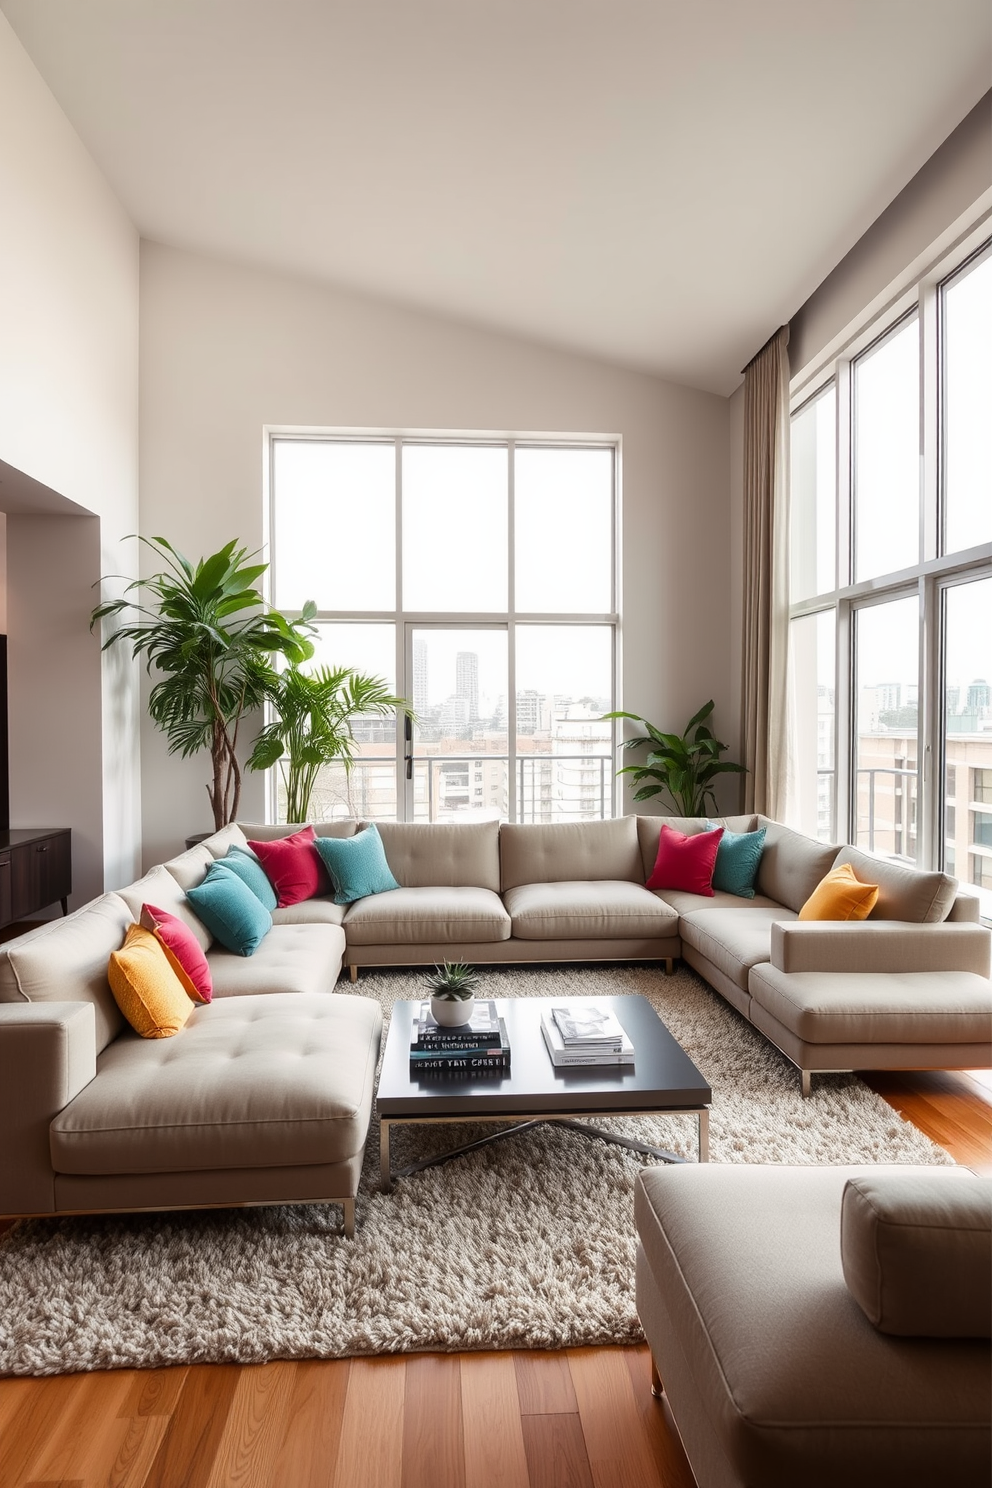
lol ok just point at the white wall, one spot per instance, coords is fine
(226, 350)
(68, 419)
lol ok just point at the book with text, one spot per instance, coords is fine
(567, 1058)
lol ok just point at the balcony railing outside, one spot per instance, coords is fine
(550, 787)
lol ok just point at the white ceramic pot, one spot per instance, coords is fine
(448, 1014)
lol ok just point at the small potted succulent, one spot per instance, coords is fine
(452, 987)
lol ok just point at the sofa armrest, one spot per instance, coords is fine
(47, 1056)
(879, 945)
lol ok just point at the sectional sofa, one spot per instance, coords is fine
(265, 1098)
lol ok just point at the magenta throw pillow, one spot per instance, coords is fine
(294, 867)
(182, 951)
(685, 862)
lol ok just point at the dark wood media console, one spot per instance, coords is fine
(35, 870)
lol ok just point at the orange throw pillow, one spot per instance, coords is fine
(840, 896)
(145, 987)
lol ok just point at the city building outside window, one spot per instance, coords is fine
(479, 578)
(891, 581)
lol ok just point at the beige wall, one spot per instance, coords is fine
(926, 212)
(226, 350)
(68, 420)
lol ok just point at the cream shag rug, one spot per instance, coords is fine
(529, 1243)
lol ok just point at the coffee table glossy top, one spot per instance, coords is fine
(662, 1077)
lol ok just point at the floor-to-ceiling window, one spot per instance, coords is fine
(479, 578)
(891, 582)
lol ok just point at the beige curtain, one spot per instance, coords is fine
(766, 579)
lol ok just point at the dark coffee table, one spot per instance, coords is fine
(663, 1080)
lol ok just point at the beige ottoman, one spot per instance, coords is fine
(775, 1376)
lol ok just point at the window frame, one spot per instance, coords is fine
(933, 573)
(404, 620)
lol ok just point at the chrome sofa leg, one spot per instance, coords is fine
(807, 1078)
(657, 1388)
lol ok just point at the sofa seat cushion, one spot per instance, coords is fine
(796, 1383)
(685, 903)
(320, 911)
(733, 939)
(895, 1007)
(291, 958)
(608, 910)
(248, 1083)
(420, 916)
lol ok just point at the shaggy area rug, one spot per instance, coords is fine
(529, 1243)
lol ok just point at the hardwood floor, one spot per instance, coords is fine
(582, 1418)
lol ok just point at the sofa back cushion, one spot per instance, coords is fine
(160, 887)
(272, 831)
(904, 893)
(649, 832)
(458, 855)
(221, 842)
(792, 865)
(574, 852)
(66, 961)
(916, 1249)
(189, 868)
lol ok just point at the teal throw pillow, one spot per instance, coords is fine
(357, 865)
(230, 910)
(250, 871)
(737, 862)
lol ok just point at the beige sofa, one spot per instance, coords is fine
(261, 1099)
(803, 1339)
(906, 989)
(266, 1099)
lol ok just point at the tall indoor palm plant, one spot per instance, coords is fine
(313, 725)
(208, 633)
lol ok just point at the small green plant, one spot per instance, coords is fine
(453, 982)
(683, 765)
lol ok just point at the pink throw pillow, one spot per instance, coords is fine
(685, 862)
(294, 866)
(182, 951)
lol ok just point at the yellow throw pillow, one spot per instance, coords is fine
(840, 896)
(145, 987)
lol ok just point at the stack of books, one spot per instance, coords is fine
(584, 1033)
(478, 1048)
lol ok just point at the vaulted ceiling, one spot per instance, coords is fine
(654, 182)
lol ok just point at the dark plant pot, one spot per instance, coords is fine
(198, 837)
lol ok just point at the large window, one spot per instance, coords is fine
(891, 582)
(479, 579)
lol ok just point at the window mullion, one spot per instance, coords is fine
(845, 476)
(405, 790)
(930, 538)
(511, 635)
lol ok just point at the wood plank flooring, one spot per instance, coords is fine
(581, 1418)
